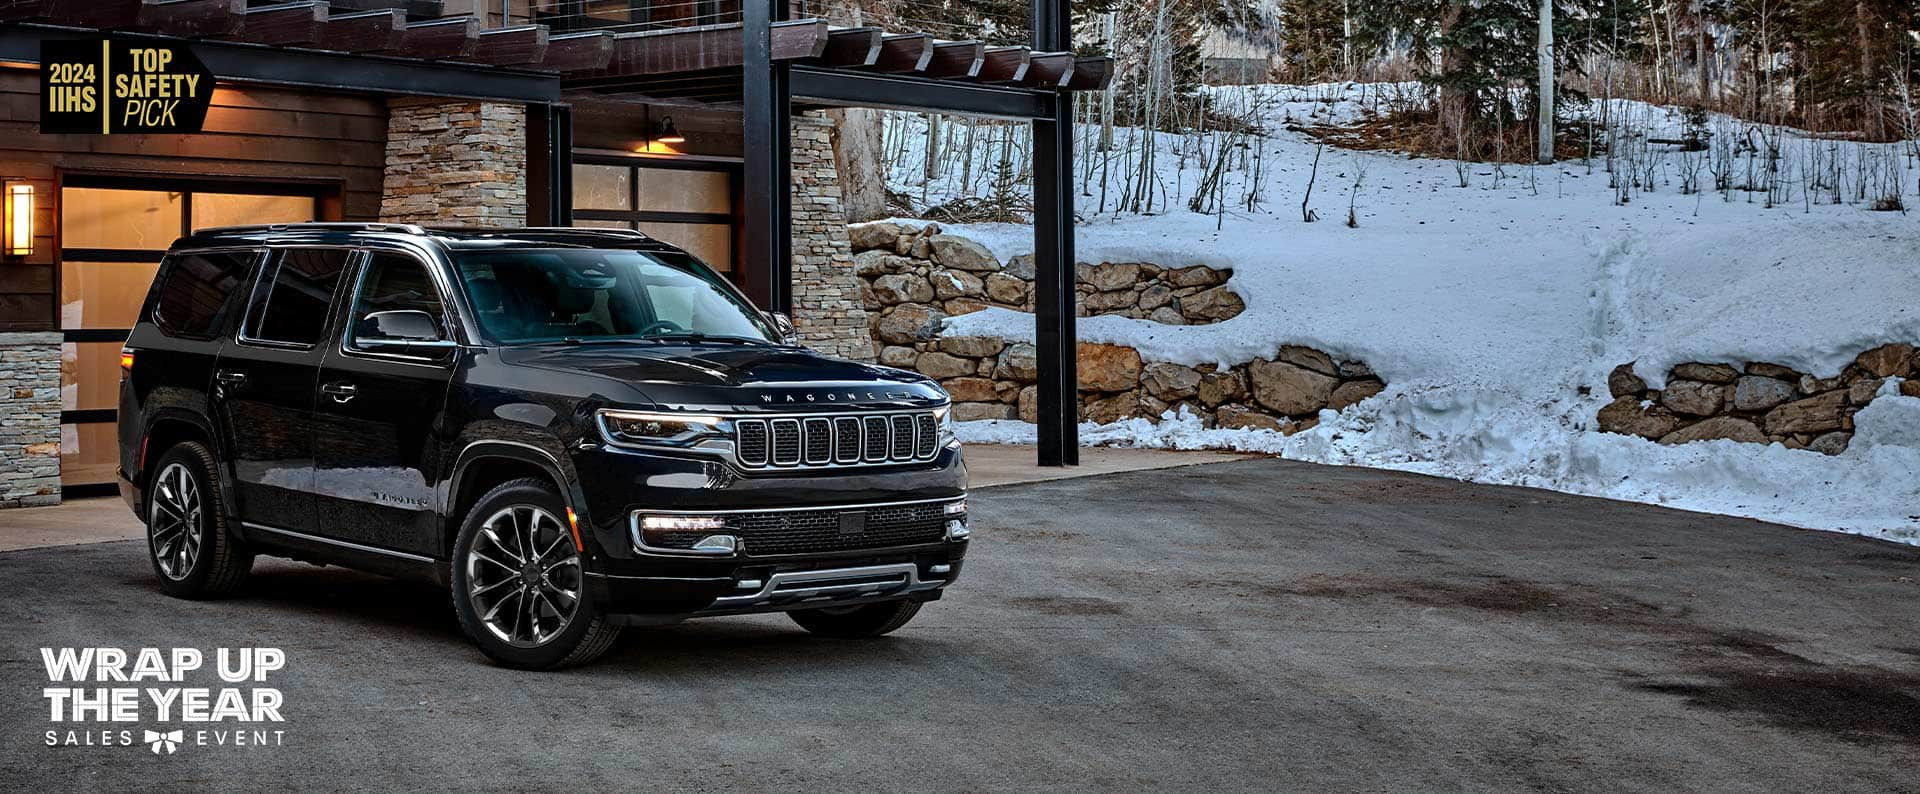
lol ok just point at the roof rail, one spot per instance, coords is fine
(346, 226)
(509, 232)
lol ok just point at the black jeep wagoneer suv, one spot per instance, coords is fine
(574, 429)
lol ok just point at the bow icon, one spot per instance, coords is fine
(169, 739)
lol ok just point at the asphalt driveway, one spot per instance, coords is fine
(1257, 625)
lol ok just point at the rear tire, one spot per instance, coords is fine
(187, 538)
(871, 620)
(519, 586)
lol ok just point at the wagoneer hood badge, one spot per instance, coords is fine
(854, 395)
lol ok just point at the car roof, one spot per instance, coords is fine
(451, 237)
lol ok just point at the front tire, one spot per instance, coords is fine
(187, 538)
(519, 587)
(871, 620)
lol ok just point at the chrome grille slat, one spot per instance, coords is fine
(902, 446)
(875, 433)
(926, 435)
(786, 442)
(751, 441)
(846, 439)
(836, 439)
(817, 435)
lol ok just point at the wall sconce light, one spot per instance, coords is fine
(665, 132)
(19, 219)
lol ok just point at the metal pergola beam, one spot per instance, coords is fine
(869, 89)
(1055, 337)
(766, 119)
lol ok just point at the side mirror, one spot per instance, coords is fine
(784, 326)
(400, 328)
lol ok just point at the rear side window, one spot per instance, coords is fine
(293, 304)
(199, 291)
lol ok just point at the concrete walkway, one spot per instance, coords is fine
(103, 519)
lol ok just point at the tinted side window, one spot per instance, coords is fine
(199, 291)
(293, 306)
(396, 282)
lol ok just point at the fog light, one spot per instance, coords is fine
(957, 530)
(717, 544)
(682, 523)
(940, 569)
(748, 584)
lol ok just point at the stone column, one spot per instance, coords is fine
(455, 162)
(827, 309)
(30, 422)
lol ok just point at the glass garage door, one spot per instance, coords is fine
(111, 241)
(686, 203)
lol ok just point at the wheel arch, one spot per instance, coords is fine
(167, 429)
(484, 464)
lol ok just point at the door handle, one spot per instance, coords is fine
(341, 390)
(230, 378)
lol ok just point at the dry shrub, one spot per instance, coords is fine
(1417, 133)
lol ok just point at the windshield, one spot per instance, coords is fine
(575, 294)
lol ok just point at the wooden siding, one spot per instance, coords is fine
(334, 142)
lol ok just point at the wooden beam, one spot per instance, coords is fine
(1049, 70)
(285, 25)
(1004, 65)
(439, 39)
(682, 50)
(364, 31)
(1090, 74)
(25, 10)
(193, 18)
(522, 45)
(904, 52)
(102, 14)
(572, 52)
(852, 47)
(956, 59)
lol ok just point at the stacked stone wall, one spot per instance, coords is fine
(915, 278)
(455, 162)
(827, 310)
(30, 424)
(937, 274)
(1756, 402)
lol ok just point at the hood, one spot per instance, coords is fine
(731, 377)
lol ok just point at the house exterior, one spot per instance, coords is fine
(677, 119)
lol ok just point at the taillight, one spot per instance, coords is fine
(126, 361)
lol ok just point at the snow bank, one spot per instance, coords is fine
(1488, 308)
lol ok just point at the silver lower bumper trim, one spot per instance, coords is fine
(791, 586)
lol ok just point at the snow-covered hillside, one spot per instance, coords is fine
(1489, 308)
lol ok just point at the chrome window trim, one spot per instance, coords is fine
(256, 300)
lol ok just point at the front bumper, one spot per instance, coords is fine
(647, 600)
(641, 585)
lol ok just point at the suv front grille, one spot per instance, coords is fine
(836, 440)
(809, 531)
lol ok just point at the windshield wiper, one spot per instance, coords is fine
(696, 336)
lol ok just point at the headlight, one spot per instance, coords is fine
(641, 429)
(944, 415)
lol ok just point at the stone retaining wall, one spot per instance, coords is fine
(1756, 402)
(915, 278)
(990, 378)
(948, 275)
(30, 427)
